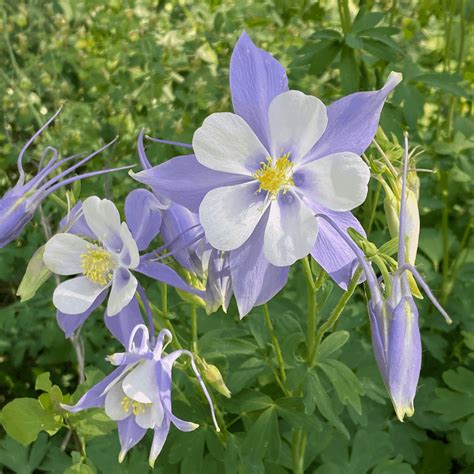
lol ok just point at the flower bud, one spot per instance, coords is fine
(36, 274)
(213, 376)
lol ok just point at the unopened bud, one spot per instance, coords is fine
(213, 376)
(412, 227)
(36, 274)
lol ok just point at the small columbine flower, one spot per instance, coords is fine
(258, 176)
(103, 251)
(137, 395)
(394, 317)
(105, 264)
(19, 204)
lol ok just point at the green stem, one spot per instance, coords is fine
(458, 261)
(445, 226)
(194, 331)
(334, 316)
(164, 299)
(276, 344)
(374, 207)
(345, 16)
(311, 316)
(298, 445)
(166, 323)
(393, 12)
(387, 280)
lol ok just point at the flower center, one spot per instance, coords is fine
(97, 265)
(275, 176)
(137, 408)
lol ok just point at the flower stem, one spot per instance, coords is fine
(164, 299)
(334, 316)
(276, 344)
(298, 444)
(344, 15)
(311, 315)
(194, 331)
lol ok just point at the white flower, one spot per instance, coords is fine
(103, 264)
(136, 394)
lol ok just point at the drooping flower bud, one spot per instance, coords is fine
(213, 376)
(394, 316)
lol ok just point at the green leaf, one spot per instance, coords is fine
(323, 56)
(457, 403)
(80, 465)
(349, 70)
(194, 453)
(263, 435)
(367, 20)
(324, 404)
(292, 411)
(43, 382)
(368, 450)
(380, 50)
(92, 423)
(332, 343)
(24, 418)
(346, 384)
(444, 81)
(467, 431)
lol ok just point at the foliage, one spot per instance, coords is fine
(119, 66)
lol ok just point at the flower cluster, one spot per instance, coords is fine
(263, 187)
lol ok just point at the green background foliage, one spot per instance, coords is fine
(118, 66)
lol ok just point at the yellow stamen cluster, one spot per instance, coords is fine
(97, 265)
(136, 407)
(275, 176)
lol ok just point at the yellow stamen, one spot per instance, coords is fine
(97, 265)
(275, 176)
(136, 407)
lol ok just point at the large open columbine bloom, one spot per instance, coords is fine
(393, 314)
(103, 251)
(19, 204)
(137, 394)
(259, 176)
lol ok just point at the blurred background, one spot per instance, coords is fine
(119, 66)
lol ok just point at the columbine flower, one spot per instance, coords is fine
(103, 254)
(19, 204)
(138, 393)
(394, 317)
(260, 175)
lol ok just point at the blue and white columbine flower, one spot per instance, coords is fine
(258, 176)
(103, 251)
(102, 265)
(137, 394)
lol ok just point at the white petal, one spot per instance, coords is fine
(76, 296)
(103, 218)
(296, 122)
(291, 230)
(129, 257)
(144, 419)
(338, 181)
(140, 384)
(229, 215)
(124, 285)
(113, 404)
(226, 143)
(62, 254)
